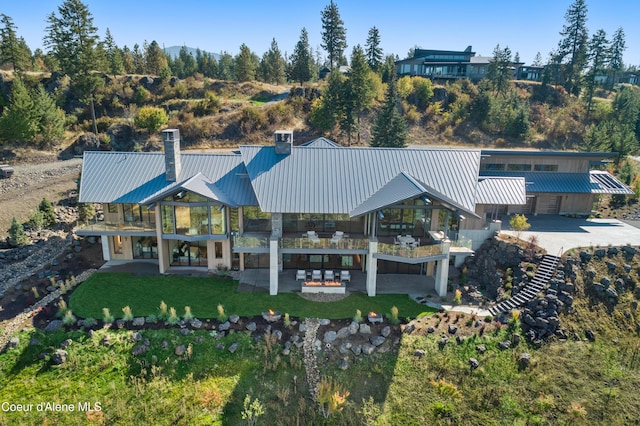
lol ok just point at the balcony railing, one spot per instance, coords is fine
(102, 226)
(247, 242)
(413, 252)
(325, 243)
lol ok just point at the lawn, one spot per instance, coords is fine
(143, 295)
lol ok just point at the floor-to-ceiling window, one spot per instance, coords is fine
(188, 253)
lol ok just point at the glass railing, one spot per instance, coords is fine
(325, 243)
(249, 242)
(101, 226)
(462, 242)
(412, 252)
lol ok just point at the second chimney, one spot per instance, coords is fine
(171, 142)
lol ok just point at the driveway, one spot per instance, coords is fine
(559, 233)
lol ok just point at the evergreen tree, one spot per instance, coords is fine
(139, 63)
(599, 57)
(301, 59)
(360, 92)
(72, 39)
(128, 61)
(327, 111)
(18, 122)
(390, 128)
(246, 64)
(334, 35)
(373, 50)
(537, 61)
(189, 63)
(49, 118)
(617, 48)
(155, 58)
(572, 48)
(388, 70)
(499, 73)
(226, 67)
(115, 63)
(48, 213)
(516, 58)
(273, 65)
(207, 64)
(17, 236)
(13, 49)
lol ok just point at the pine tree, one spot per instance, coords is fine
(334, 35)
(48, 213)
(18, 122)
(301, 59)
(73, 39)
(599, 57)
(537, 61)
(226, 67)
(17, 236)
(360, 92)
(246, 64)
(273, 65)
(49, 118)
(373, 50)
(390, 128)
(572, 48)
(617, 48)
(115, 63)
(155, 58)
(13, 49)
(499, 72)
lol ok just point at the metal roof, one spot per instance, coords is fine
(542, 153)
(594, 182)
(502, 191)
(400, 188)
(322, 143)
(130, 177)
(329, 180)
(198, 184)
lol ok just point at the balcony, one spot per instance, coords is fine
(113, 228)
(360, 244)
(246, 243)
(409, 252)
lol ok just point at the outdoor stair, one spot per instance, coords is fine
(546, 270)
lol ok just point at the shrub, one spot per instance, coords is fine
(151, 118)
(173, 317)
(106, 316)
(251, 410)
(141, 96)
(519, 223)
(62, 308)
(331, 397)
(36, 220)
(488, 318)
(457, 298)
(188, 316)
(393, 318)
(163, 311)
(287, 320)
(17, 236)
(86, 211)
(69, 318)
(128, 315)
(358, 316)
(222, 316)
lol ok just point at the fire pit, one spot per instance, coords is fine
(374, 317)
(271, 316)
(334, 287)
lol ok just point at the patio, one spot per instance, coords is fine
(258, 280)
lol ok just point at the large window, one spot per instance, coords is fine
(167, 220)
(255, 220)
(545, 167)
(519, 167)
(324, 223)
(491, 166)
(192, 215)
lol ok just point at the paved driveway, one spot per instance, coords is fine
(557, 233)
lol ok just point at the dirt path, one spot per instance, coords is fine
(30, 183)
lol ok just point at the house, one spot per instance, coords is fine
(312, 207)
(446, 64)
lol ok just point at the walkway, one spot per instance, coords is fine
(559, 232)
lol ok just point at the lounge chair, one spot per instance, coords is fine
(313, 236)
(337, 236)
(301, 275)
(329, 276)
(316, 275)
(345, 276)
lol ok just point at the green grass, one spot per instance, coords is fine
(144, 294)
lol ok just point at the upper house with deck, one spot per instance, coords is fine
(319, 205)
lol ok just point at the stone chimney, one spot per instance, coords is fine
(284, 141)
(171, 142)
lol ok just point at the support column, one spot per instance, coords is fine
(442, 275)
(372, 268)
(163, 262)
(276, 232)
(106, 252)
(273, 266)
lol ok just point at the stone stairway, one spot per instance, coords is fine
(546, 270)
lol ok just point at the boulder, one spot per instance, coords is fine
(386, 331)
(343, 364)
(473, 363)
(419, 353)
(59, 356)
(180, 350)
(86, 142)
(252, 326)
(54, 325)
(481, 349)
(504, 345)
(524, 359)
(233, 347)
(122, 136)
(377, 340)
(330, 336)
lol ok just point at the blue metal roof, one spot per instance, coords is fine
(594, 182)
(131, 177)
(330, 180)
(322, 143)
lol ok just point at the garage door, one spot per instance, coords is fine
(549, 204)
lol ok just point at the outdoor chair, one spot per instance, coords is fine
(329, 276)
(301, 275)
(316, 275)
(337, 236)
(345, 276)
(313, 236)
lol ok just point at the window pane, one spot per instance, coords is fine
(167, 220)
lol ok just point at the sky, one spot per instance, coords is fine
(526, 27)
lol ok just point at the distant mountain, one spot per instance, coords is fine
(174, 51)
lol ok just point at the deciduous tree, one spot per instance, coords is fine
(151, 118)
